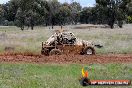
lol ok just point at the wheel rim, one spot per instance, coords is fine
(55, 52)
(89, 51)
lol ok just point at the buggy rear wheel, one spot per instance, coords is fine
(89, 51)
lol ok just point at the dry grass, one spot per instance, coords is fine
(28, 41)
(114, 40)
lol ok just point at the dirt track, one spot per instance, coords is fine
(102, 59)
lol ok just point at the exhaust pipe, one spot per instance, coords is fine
(98, 46)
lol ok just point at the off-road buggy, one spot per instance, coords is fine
(66, 43)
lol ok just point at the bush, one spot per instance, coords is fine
(129, 19)
(11, 23)
(17, 23)
(5, 23)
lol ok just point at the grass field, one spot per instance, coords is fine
(114, 40)
(59, 76)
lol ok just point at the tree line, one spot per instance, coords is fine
(30, 13)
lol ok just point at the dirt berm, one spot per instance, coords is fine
(67, 59)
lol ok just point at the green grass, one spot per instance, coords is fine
(59, 76)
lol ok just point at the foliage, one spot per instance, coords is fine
(75, 12)
(43, 12)
(63, 14)
(129, 19)
(114, 10)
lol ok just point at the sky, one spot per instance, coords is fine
(84, 3)
(3, 1)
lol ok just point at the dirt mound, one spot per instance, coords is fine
(102, 59)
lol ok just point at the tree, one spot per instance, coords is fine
(1, 14)
(20, 18)
(53, 8)
(31, 12)
(84, 15)
(75, 12)
(64, 14)
(114, 10)
(129, 9)
(51, 12)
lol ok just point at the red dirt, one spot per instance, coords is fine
(67, 59)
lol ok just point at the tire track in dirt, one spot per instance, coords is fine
(67, 59)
